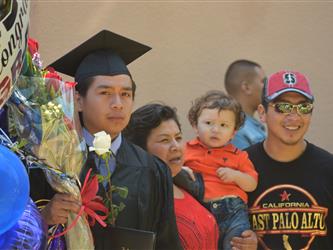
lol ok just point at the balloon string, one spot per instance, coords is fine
(54, 229)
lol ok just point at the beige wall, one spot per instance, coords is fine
(194, 41)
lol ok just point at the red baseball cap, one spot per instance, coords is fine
(287, 81)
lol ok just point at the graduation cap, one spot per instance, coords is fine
(106, 53)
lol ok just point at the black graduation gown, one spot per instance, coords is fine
(149, 204)
(195, 188)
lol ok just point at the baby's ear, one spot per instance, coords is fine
(195, 128)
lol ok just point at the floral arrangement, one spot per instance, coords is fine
(101, 146)
(43, 116)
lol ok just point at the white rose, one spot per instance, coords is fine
(101, 143)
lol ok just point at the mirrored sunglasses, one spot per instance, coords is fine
(286, 108)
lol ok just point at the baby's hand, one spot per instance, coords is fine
(227, 174)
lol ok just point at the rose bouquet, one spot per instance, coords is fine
(43, 114)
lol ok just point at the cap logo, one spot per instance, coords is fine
(289, 79)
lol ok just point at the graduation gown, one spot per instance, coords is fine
(149, 204)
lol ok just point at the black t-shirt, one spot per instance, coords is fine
(292, 207)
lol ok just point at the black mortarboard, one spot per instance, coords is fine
(106, 53)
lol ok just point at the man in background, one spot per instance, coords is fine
(244, 81)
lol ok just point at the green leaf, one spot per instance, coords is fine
(121, 206)
(109, 219)
(22, 143)
(107, 203)
(106, 156)
(122, 191)
(100, 178)
(52, 92)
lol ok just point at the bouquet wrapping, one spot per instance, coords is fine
(42, 110)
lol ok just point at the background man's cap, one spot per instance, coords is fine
(106, 53)
(287, 81)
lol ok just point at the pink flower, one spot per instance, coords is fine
(52, 79)
(70, 84)
(32, 46)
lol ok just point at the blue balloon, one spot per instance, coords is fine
(14, 189)
(30, 232)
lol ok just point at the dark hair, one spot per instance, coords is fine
(237, 72)
(264, 101)
(216, 99)
(145, 119)
(83, 86)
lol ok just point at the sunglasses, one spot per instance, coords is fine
(287, 108)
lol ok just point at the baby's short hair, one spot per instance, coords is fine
(216, 99)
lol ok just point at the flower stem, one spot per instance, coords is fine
(109, 192)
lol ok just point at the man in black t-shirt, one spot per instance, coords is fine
(293, 204)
